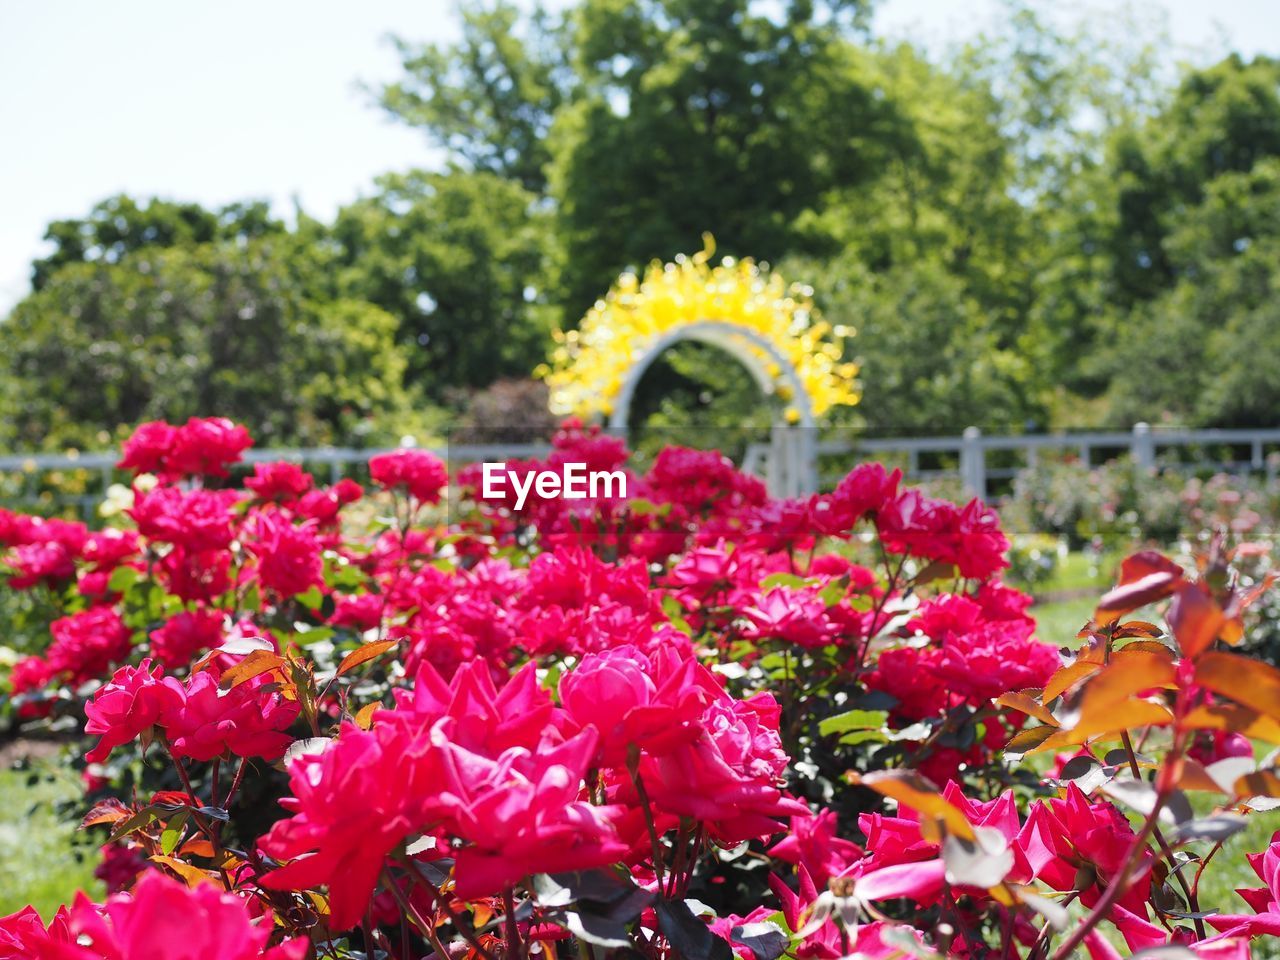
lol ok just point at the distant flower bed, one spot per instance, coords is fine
(694, 722)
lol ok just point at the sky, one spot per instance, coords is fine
(248, 99)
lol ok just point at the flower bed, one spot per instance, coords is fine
(321, 721)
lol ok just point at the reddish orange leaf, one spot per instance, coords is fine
(1129, 672)
(1125, 715)
(1235, 718)
(1137, 628)
(1066, 678)
(1195, 619)
(110, 810)
(1143, 564)
(1193, 776)
(185, 871)
(364, 654)
(1026, 740)
(1264, 783)
(1024, 702)
(196, 847)
(912, 790)
(1249, 682)
(1145, 577)
(255, 664)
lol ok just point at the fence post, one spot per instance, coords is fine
(973, 463)
(1143, 447)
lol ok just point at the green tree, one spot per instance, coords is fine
(488, 100)
(220, 328)
(707, 116)
(460, 259)
(120, 225)
(1207, 350)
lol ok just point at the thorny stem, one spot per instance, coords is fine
(1193, 901)
(1120, 882)
(462, 928)
(514, 946)
(633, 767)
(428, 929)
(889, 589)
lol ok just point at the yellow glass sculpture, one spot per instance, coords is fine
(589, 366)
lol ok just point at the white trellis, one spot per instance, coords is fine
(792, 467)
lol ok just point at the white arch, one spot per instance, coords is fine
(732, 339)
(793, 451)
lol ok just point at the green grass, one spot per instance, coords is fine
(1058, 623)
(40, 861)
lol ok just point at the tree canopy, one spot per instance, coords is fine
(1044, 227)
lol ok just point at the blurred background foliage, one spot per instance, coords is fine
(1041, 228)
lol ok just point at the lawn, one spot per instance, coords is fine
(41, 860)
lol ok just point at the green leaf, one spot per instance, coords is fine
(853, 720)
(122, 578)
(783, 580)
(312, 599)
(172, 834)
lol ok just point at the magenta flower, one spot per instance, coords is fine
(129, 704)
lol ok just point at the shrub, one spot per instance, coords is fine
(692, 723)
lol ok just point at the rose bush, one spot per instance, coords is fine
(697, 722)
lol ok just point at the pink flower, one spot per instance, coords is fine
(246, 721)
(352, 805)
(634, 700)
(163, 918)
(522, 814)
(792, 615)
(289, 557)
(109, 548)
(480, 717)
(206, 447)
(281, 482)
(45, 551)
(127, 705)
(196, 575)
(196, 520)
(1264, 900)
(322, 506)
(185, 635)
(921, 526)
(1062, 834)
(360, 611)
(981, 547)
(148, 448)
(866, 490)
(86, 644)
(120, 866)
(421, 474)
(730, 775)
(813, 842)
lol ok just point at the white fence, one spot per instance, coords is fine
(1249, 451)
(969, 457)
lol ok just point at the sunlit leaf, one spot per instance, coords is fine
(1234, 718)
(912, 790)
(1066, 678)
(1024, 702)
(364, 654)
(253, 665)
(364, 719)
(1145, 577)
(1195, 619)
(193, 876)
(1249, 682)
